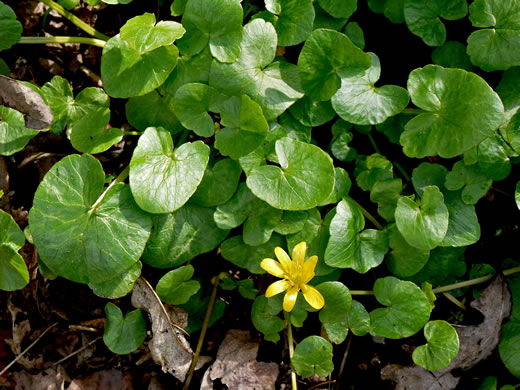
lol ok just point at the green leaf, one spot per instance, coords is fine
(176, 287)
(275, 86)
(511, 132)
(245, 127)
(407, 311)
(457, 102)
(13, 133)
(121, 285)
(326, 58)
(441, 348)
(13, 271)
(123, 334)
(358, 101)
(491, 47)
(463, 226)
(291, 222)
(342, 184)
(293, 21)
(509, 347)
(10, 28)
(313, 355)
(508, 93)
(177, 7)
(355, 34)
(427, 174)
(473, 182)
(517, 195)
(293, 129)
(162, 178)
(452, 55)
(339, 8)
(358, 319)
(371, 169)
(218, 184)
(104, 241)
(197, 308)
(310, 112)
(386, 193)
(444, 266)
(152, 110)
(422, 18)
(217, 24)
(489, 383)
(394, 11)
(423, 225)
(340, 147)
(246, 289)
(4, 68)
(182, 235)
(141, 57)
(304, 180)
(90, 135)
(189, 70)
(349, 246)
(322, 19)
(493, 157)
(68, 4)
(68, 109)
(236, 251)
(338, 301)
(264, 315)
(404, 260)
(393, 127)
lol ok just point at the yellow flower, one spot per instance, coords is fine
(296, 273)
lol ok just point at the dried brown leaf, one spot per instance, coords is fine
(26, 381)
(103, 380)
(417, 378)
(236, 365)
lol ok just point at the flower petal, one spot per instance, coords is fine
(290, 298)
(273, 267)
(312, 296)
(284, 258)
(277, 287)
(298, 253)
(308, 269)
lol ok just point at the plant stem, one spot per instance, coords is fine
(74, 19)
(205, 326)
(403, 172)
(368, 216)
(412, 111)
(121, 177)
(373, 142)
(291, 354)
(46, 40)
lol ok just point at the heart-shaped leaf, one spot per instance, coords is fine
(452, 55)
(152, 110)
(404, 260)
(264, 315)
(445, 265)
(13, 133)
(441, 348)
(470, 179)
(407, 311)
(176, 287)
(457, 102)
(313, 355)
(463, 226)
(120, 285)
(10, 28)
(13, 271)
(123, 334)
(338, 301)
(339, 8)
(304, 179)
(310, 112)
(71, 219)
(293, 20)
(189, 70)
(162, 178)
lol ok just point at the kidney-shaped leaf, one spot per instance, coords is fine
(123, 334)
(326, 57)
(293, 21)
(494, 47)
(176, 287)
(10, 28)
(13, 271)
(313, 355)
(463, 226)
(338, 301)
(339, 8)
(441, 348)
(407, 311)
(462, 110)
(80, 242)
(304, 179)
(13, 133)
(141, 57)
(162, 178)
(152, 110)
(274, 86)
(404, 260)
(120, 285)
(359, 101)
(264, 315)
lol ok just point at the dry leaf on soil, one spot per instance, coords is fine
(26, 381)
(104, 380)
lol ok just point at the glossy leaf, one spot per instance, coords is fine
(493, 158)
(311, 112)
(121, 285)
(404, 260)
(322, 19)
(358, 101)
(193, 69)
(423, 225)
(463, 226)
(13, 133)
(338, 301)
(371, 169)
(264, 315)
(355, 34)
(327, 57)
(275, 86)
(293, 21)
(452, 55)
(470, 179)
(441, 348)
(217, 24)
(176, 287)
(339, 8)
(104, 241)
(152, 110)
(313, 355)
(444, 266)
(162, 178)
(427, 174)
(457, 102)
(13, 271)
(509, 347)
(141, 57)
(407, 311)
(123, 334)
(507, 91)
(10, 28)
(304, 179)
(490, 48)
(182, 235)
(291, 222)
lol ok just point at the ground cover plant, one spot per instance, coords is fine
(195, 166)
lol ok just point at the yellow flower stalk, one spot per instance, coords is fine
(295, 274)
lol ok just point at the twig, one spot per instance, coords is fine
(27, 349)
(321, 384)
(78, 350)
(343, 362)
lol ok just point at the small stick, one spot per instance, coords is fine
(343, 361)
(78, 351)
(27, 349)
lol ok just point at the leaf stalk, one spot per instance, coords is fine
(290, 341)
(47, 40)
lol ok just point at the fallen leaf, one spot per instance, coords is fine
(165, 347)
(103, 380)
(236, 365)
(19, 96)
(477, 342)
(26, 381)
